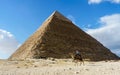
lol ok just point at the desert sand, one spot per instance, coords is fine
(58, 67)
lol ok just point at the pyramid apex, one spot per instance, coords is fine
(60, 16)
(56, 12)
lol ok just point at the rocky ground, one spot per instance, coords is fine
(58, 67)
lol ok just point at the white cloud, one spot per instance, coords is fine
(116, 1)
(99, 1)
(109, 32)
(72, 18)
(8, 44)
(94, 1)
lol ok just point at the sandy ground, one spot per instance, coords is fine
(58, 67)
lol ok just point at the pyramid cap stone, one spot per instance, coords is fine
(59, 16)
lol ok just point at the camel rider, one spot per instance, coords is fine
(77, 52)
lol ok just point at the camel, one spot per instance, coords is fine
(77, 58)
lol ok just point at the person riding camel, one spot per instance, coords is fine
(77, 52)
(78, 56)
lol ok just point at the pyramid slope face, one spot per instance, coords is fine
(57, 37)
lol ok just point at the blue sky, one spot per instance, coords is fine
(20, 18)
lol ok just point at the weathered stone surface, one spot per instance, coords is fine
(57, 37)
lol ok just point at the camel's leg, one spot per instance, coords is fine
(83, 63)
(80, 63)
(76, 63)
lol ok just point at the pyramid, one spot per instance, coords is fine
(57, 37)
